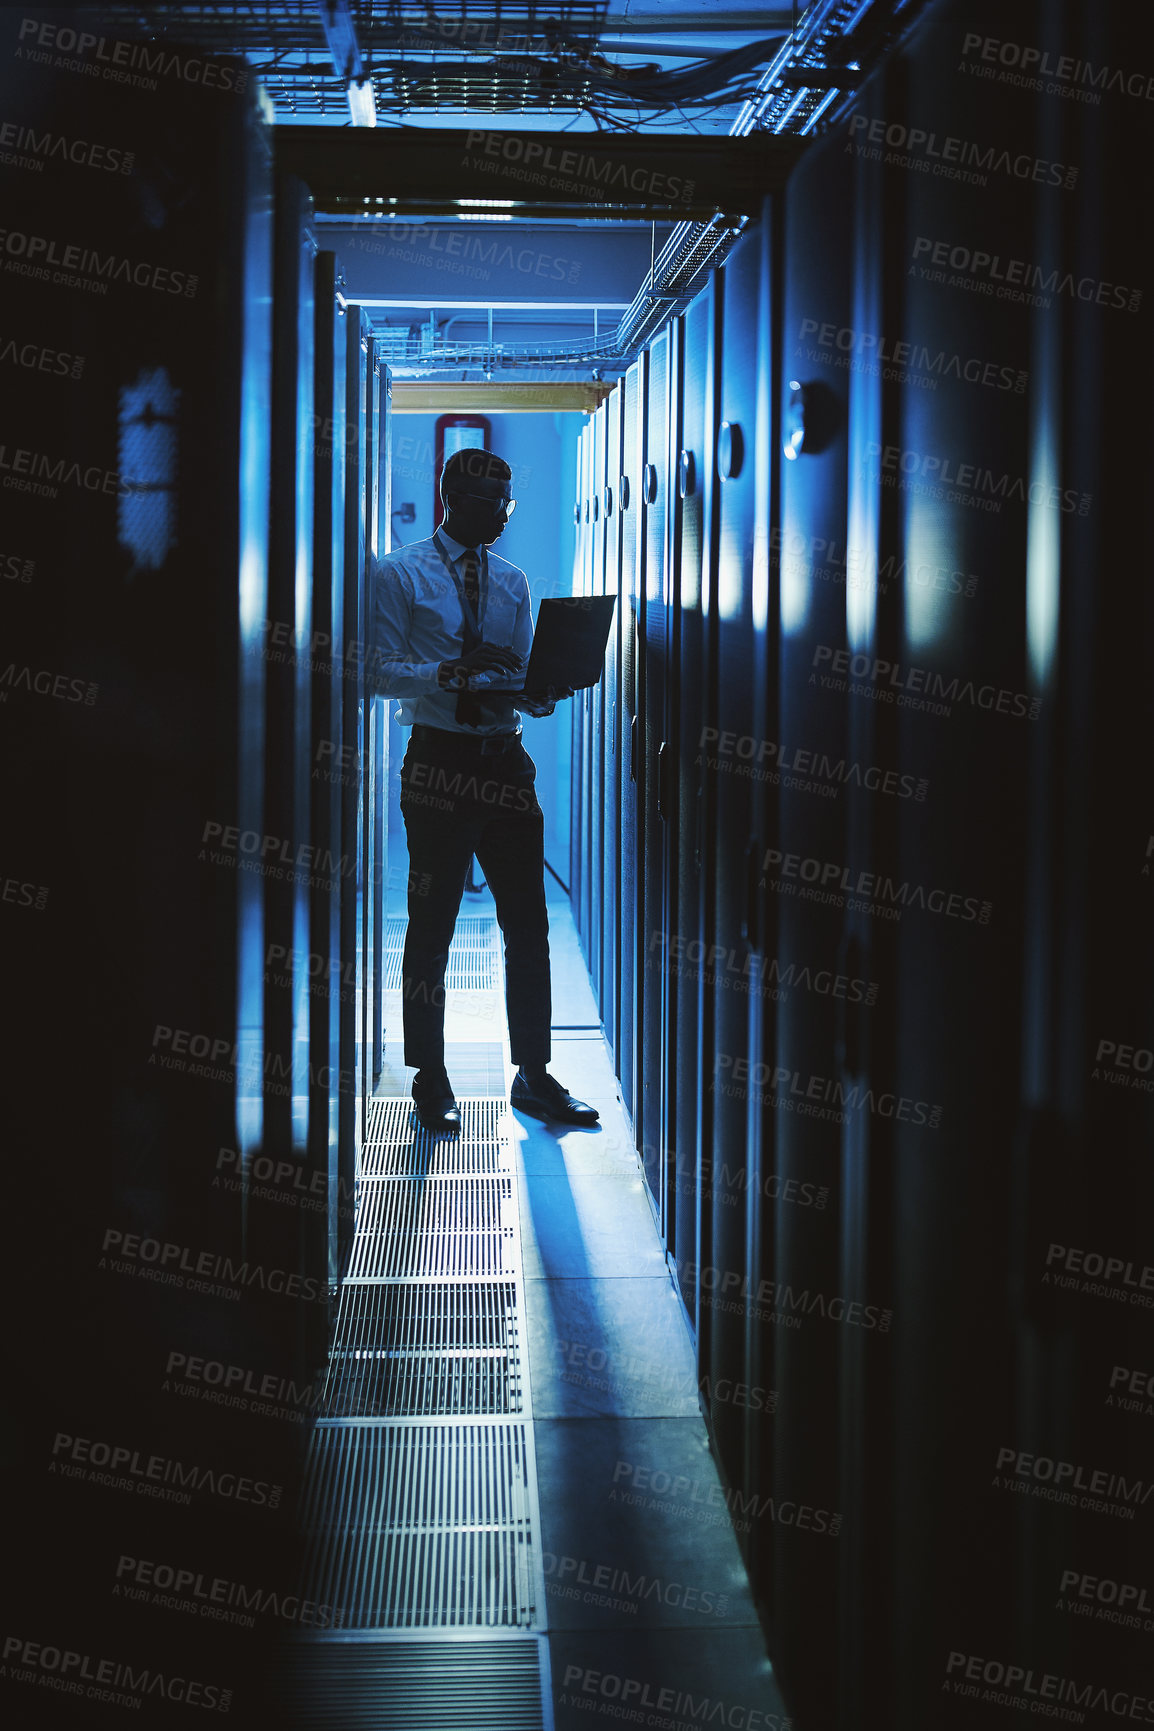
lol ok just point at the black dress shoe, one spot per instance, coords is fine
(547, 1099)
(435, 1105)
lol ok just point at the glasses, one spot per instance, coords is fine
(496, 506)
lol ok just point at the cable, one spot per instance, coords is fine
(557, 875)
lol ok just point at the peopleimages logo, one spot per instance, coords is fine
(1031, 64)
(738, 1076)
(829, 881)
(36, 472)
(216, 1597)
(1021, 1686)
(1070, 1483)
(869, 676)
(571, 166)
(1018, 278)
(939, 152)
(852, 345)
(68, 1671)
(970, 481)
(761, 759)
(148, 1473)
(33, 255)
(45, 146)
(632, 1694)
(179, 1265)
(122, 62)
(1091, 1272)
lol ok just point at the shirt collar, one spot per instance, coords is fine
(455, 548)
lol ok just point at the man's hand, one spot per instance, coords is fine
(485, 658)
(543, 703)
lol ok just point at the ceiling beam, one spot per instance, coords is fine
(354, 172)
(417, 397)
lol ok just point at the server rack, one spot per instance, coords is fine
(610, 778)
(649, 1122)
(332, 1140)
(688, 719)
(596, 709)
(288, 736)
(627, 730)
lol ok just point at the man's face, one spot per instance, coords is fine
(479, 515)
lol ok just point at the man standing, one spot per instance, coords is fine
(452, 629)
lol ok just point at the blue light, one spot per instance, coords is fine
(146, 520)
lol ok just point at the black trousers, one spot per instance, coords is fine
(457, 802)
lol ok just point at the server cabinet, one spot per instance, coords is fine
(582, 888)
(758, 958)
(331, 982)
(948, 1035)
(288, 743)
(374, 725)
(575, 715)
(354, 698)
(596, 709)
(650, 1122)
(133, 714)
(628, 1025)
(610, 780)
(688, 720)
(729, 759)
(802, 1149)
(661, 942)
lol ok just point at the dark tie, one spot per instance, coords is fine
(469, 710)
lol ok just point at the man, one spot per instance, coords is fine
(452, 630)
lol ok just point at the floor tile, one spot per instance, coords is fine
(580, 1227)
(635, 1527)
(609, 1346)
(697, 1680)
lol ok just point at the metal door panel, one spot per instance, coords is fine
(288, 693)
(725, 755)
(596, 711)
(685, 924)
(330, 764)
(356, 616)
(610, 781)
(650, 1125)
(576, 713)
(630, 484)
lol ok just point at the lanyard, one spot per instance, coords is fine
(475, 624)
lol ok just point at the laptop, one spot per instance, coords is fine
(568, 643)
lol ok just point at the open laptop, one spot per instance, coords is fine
(568, 643)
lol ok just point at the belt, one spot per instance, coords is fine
(481, 744)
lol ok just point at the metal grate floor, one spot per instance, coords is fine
(420, 1503)
(405, 1349)
(421, 1525)
(473, 958)
(395, 1148)
(462, 1226)
(415, 1685)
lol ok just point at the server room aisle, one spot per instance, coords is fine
(512, 1497)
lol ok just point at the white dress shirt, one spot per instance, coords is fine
(417, 623)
